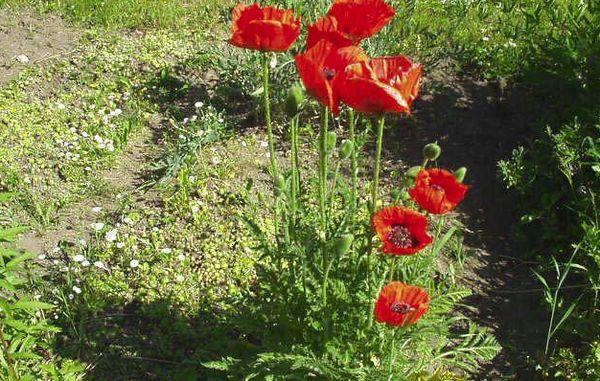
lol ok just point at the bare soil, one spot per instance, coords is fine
(28, 39)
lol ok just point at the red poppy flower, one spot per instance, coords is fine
(360, 19)
(437, 191)
(266, 29)
(326, 28)
(320, 65)
(401, 230)
(387, 84)
(400, 304)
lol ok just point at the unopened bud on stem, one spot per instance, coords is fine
(432, 151)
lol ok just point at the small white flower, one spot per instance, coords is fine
(134, 263)
(179, 278)
(79, 258)
(82, 242)
(216, 160)
(97, 226)
(60, 106)
(120, 245)
(85, 263)
(221, 120)
(77, 290)
(263, 144)
(273, 62)
(198, 104)
(486, 38)
(111, 235)
(85, 134)
(73, 130)
(244, 144)
(102, 145)
(110, 148)
(97, 209)
(154, 229)
(71, 296)
(116, 112)
(128, 221)
(268, 155)
(181, 257)
(193, 118)
(100, 265)
(37, 296)
(88, 169)
(512, 44)
(185, 120)
(98, 139)
(56, 250)
(166, 250)
(195, 209)
(42, 256)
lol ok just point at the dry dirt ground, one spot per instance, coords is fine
(27, 39)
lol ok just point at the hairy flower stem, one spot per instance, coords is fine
(376, 170)
(353, 159)
(392, 355)
(374, 200)
(323, 169)
(10, 363)
(267, 105)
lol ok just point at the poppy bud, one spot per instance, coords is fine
(295, 100)
(432, 151)
(346, 149)
(460, 174)
(342, 244)
(279, 184)
(331, 140)
(413, 172)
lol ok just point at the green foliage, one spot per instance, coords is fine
(23, 325)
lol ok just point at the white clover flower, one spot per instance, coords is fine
(85, 263)
(102, 145)
(111, 235)
(77, 290)
(97, 209)
(79, 258)
(244, 144)
(98, 139)
(193, 118)
(71, 296)
(120, 245)
(263, 144)
(486, 38)
(61, 106)
(166, 250)
(154, 229)
(134, 263)
(195, 209)
(42, 256)
(198, 104)
(181, 257)
(85, 134)
(97, 226)
(116, 112)
(110, 147)
(88, 169)
(179, 278)
(73, 130)
(100, 265)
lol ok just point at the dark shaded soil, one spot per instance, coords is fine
(478, 123)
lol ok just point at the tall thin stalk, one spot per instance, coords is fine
(376, 170)
(353, 158)
(323, 169)
(267, 105)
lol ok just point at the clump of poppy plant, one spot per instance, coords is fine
(337, 72)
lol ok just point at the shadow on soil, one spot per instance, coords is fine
(477, 124)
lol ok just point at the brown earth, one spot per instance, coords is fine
(31, 39)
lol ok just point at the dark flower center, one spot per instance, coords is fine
(437, 187)
(401, 236)
(329, 73)
(401, 307)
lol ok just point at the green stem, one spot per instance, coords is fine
(392, 355)
(353, 158)
(267, 105)
(323, 182)
(375, 187)
(10, 363)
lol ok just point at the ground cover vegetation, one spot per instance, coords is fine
(196, 191)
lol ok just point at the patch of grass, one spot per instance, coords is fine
(131, 13)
